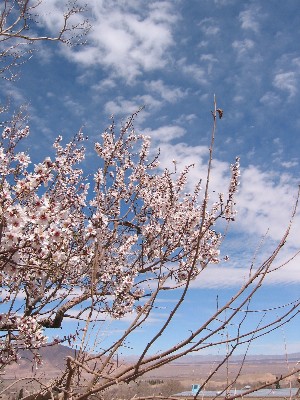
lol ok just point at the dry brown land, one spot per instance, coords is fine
(176, 375)
(252, 374)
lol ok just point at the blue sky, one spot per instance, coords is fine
(172, 57)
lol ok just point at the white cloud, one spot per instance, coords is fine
(106, 318)
(127, 39)
(286, 81)
(165, 133)
(73, 106)
(270, 99)
(12, 93)
(265, 201)
(186, 118)
(197, 157)
(124, 107)
(228, 276)
(220, 277)
(223, 2)
(170, 94)
(209, 27)
(121, 106)
(238, 99)
(194, 71)
(248, 19)
(208, 57)
(51, 14)
(290, 164)
(243, 46)
(296, 61)
(105, 84)
(203, 43)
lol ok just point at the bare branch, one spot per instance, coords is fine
(20, 20)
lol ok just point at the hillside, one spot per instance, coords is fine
(53, 361)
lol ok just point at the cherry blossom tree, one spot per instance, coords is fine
(108, 247)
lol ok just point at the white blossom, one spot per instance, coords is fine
(138, 223)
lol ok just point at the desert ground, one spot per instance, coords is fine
(170, 379)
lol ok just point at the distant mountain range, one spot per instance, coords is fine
(261, 358)
(54, 360)
(200, 359)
